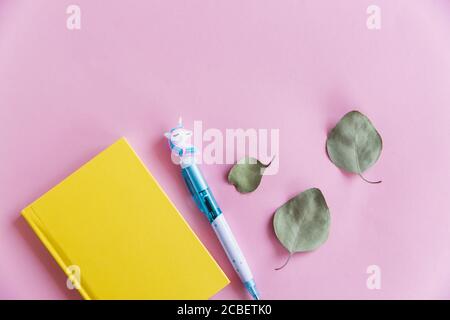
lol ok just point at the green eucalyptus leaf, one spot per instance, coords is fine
(354, 144)
(246, 175)
(302, 223)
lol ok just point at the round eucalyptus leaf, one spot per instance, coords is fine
(302, 223)
(246, 175)
(354, 144)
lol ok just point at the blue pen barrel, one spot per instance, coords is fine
(200, 192)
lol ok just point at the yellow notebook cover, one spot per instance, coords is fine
(113, 221)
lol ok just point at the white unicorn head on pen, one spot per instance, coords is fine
(180, 143)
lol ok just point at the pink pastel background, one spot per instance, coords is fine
(298, 66)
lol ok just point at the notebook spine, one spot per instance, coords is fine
(34, 222)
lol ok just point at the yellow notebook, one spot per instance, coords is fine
(112, 222)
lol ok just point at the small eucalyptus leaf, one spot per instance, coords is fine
(246, 175)
(302, 223)
(354, 144)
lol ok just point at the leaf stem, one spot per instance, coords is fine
(273, 158)
(359, 168)
(284, 265)
(368, 181)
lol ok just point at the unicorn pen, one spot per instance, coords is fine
(184, 153)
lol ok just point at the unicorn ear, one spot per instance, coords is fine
(180, 121)
(167, 135)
